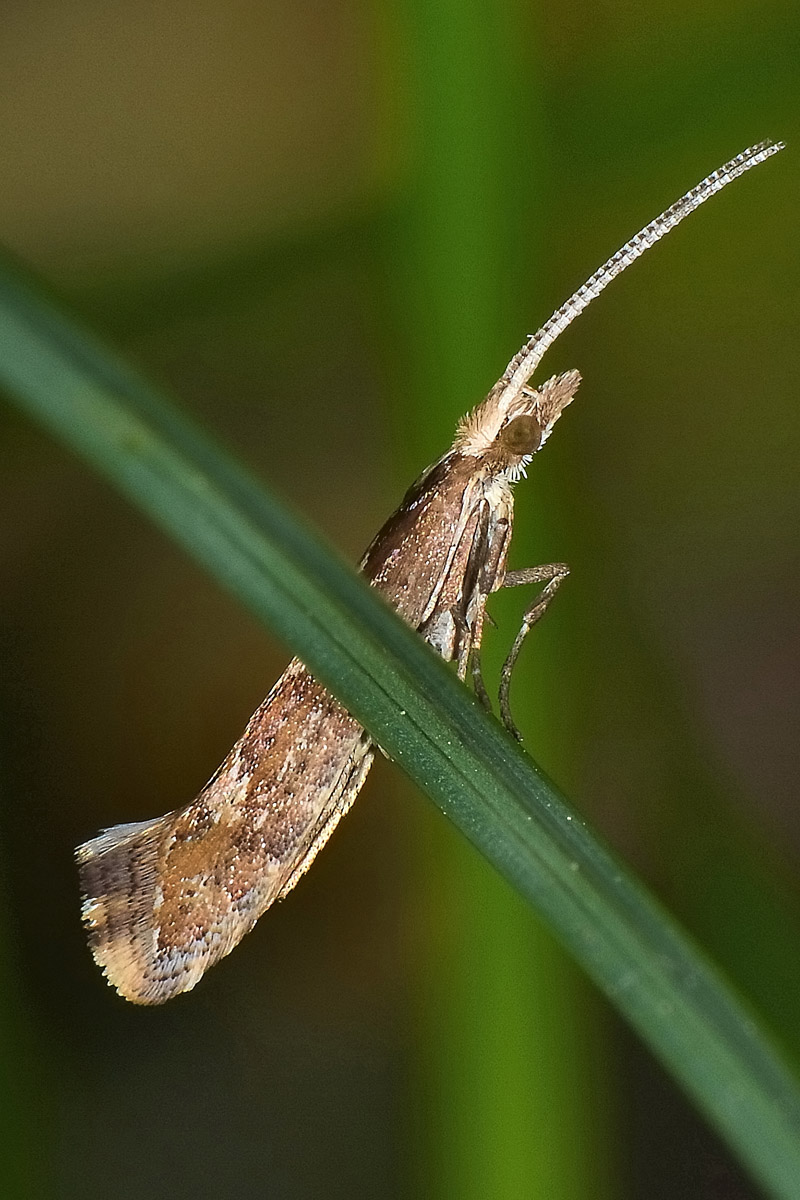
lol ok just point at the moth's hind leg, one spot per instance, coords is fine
(552, 575)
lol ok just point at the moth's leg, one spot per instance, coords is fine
(468, 612)
(477, 681)
(489, 579)
(552, 575)
(474, 657)
(463, 640)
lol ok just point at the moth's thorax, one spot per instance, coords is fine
(414, 550)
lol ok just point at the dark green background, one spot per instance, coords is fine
(327, 227)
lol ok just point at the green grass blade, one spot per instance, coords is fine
(510, 1096)
(420, 714)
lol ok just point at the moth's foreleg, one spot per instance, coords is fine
(477, 674)
(469, 650)
(552, 575)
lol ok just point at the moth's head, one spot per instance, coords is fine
(514, 420)
(510, 426)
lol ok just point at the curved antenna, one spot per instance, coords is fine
(523, 364)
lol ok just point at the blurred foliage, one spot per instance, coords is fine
(329, 227)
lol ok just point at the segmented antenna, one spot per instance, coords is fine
(523, 364)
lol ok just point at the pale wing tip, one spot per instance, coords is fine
(121, 872)
(118, 873)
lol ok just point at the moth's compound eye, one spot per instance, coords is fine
(521, 436)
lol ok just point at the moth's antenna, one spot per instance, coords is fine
(523, 364)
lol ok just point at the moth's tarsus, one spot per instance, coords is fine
(165, 899)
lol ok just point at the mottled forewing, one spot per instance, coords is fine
(164, 899)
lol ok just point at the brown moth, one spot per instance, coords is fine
(167, 898)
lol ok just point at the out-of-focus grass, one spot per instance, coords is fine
(509, 1096)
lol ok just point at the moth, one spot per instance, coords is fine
(164, 899)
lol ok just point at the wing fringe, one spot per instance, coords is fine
(119, 876)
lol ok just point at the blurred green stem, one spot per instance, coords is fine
(509, 1106)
